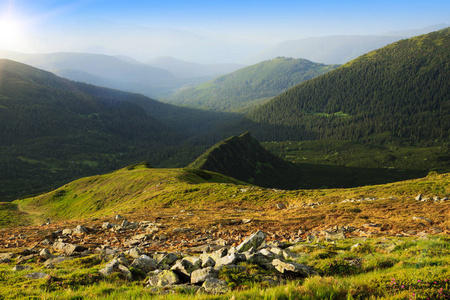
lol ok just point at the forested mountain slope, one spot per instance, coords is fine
(251, 85)
(53, 130)
(398, 92)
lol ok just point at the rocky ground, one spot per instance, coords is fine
(176, 246)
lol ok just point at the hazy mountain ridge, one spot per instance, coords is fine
(251, 85)
(185, 69)
(328, 50)
(122, 73)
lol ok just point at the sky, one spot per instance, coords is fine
(195, 29)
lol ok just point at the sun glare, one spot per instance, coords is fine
(11, 32)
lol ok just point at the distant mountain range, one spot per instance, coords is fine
(250, 86)
(336, 49)
(121, 72)
(185, 69)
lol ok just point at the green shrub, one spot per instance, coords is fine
(236, 278)
(341, 267)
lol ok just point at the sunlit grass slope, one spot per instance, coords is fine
(139, 188)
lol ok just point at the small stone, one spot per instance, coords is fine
(45, 254)
(37, 275)
(6, 257)
(68, 249)
(107, 225)
(21, 268)
(293, 268)
(208, 262)
(422, 219)
(80, 230)
(215, 286)
(134, 252)
(199, 276)
(125, 223)
(183, 268)
(67, 231)
(118, 217)
(331, 236)
(167, 261)
(216, 255)
(255, 240)
(56, 260)
(280, 206)
(46, 242)
(167, 277)
(418, 197)
(230, 259)
(144, 263)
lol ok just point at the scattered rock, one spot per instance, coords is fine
(37, 275)
(25, 258)
(107, 225)
(216, 255)
(68, 249)
(6, 257)
(183, 268)
(200, 275)
(164, 278)
(293, 268)
(167, 261)
(334, 236)
(422, 219)
(134, 252)
(215, 286)
(21, 268)
(230, 259)
(280, 206)
(144, 263)
(45, 254)
(66, 231)
(116, 265)
(255, 240)
(80, 230)
(56, 260)
(208, 262)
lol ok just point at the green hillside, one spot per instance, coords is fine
(135, 187)
(53, 130)
(138, 188)
(397, 93)
(250, 86)
(243, 158)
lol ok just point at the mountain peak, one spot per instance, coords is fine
(243, 158)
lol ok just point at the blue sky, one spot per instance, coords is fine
(369, 16)
(58, 25)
